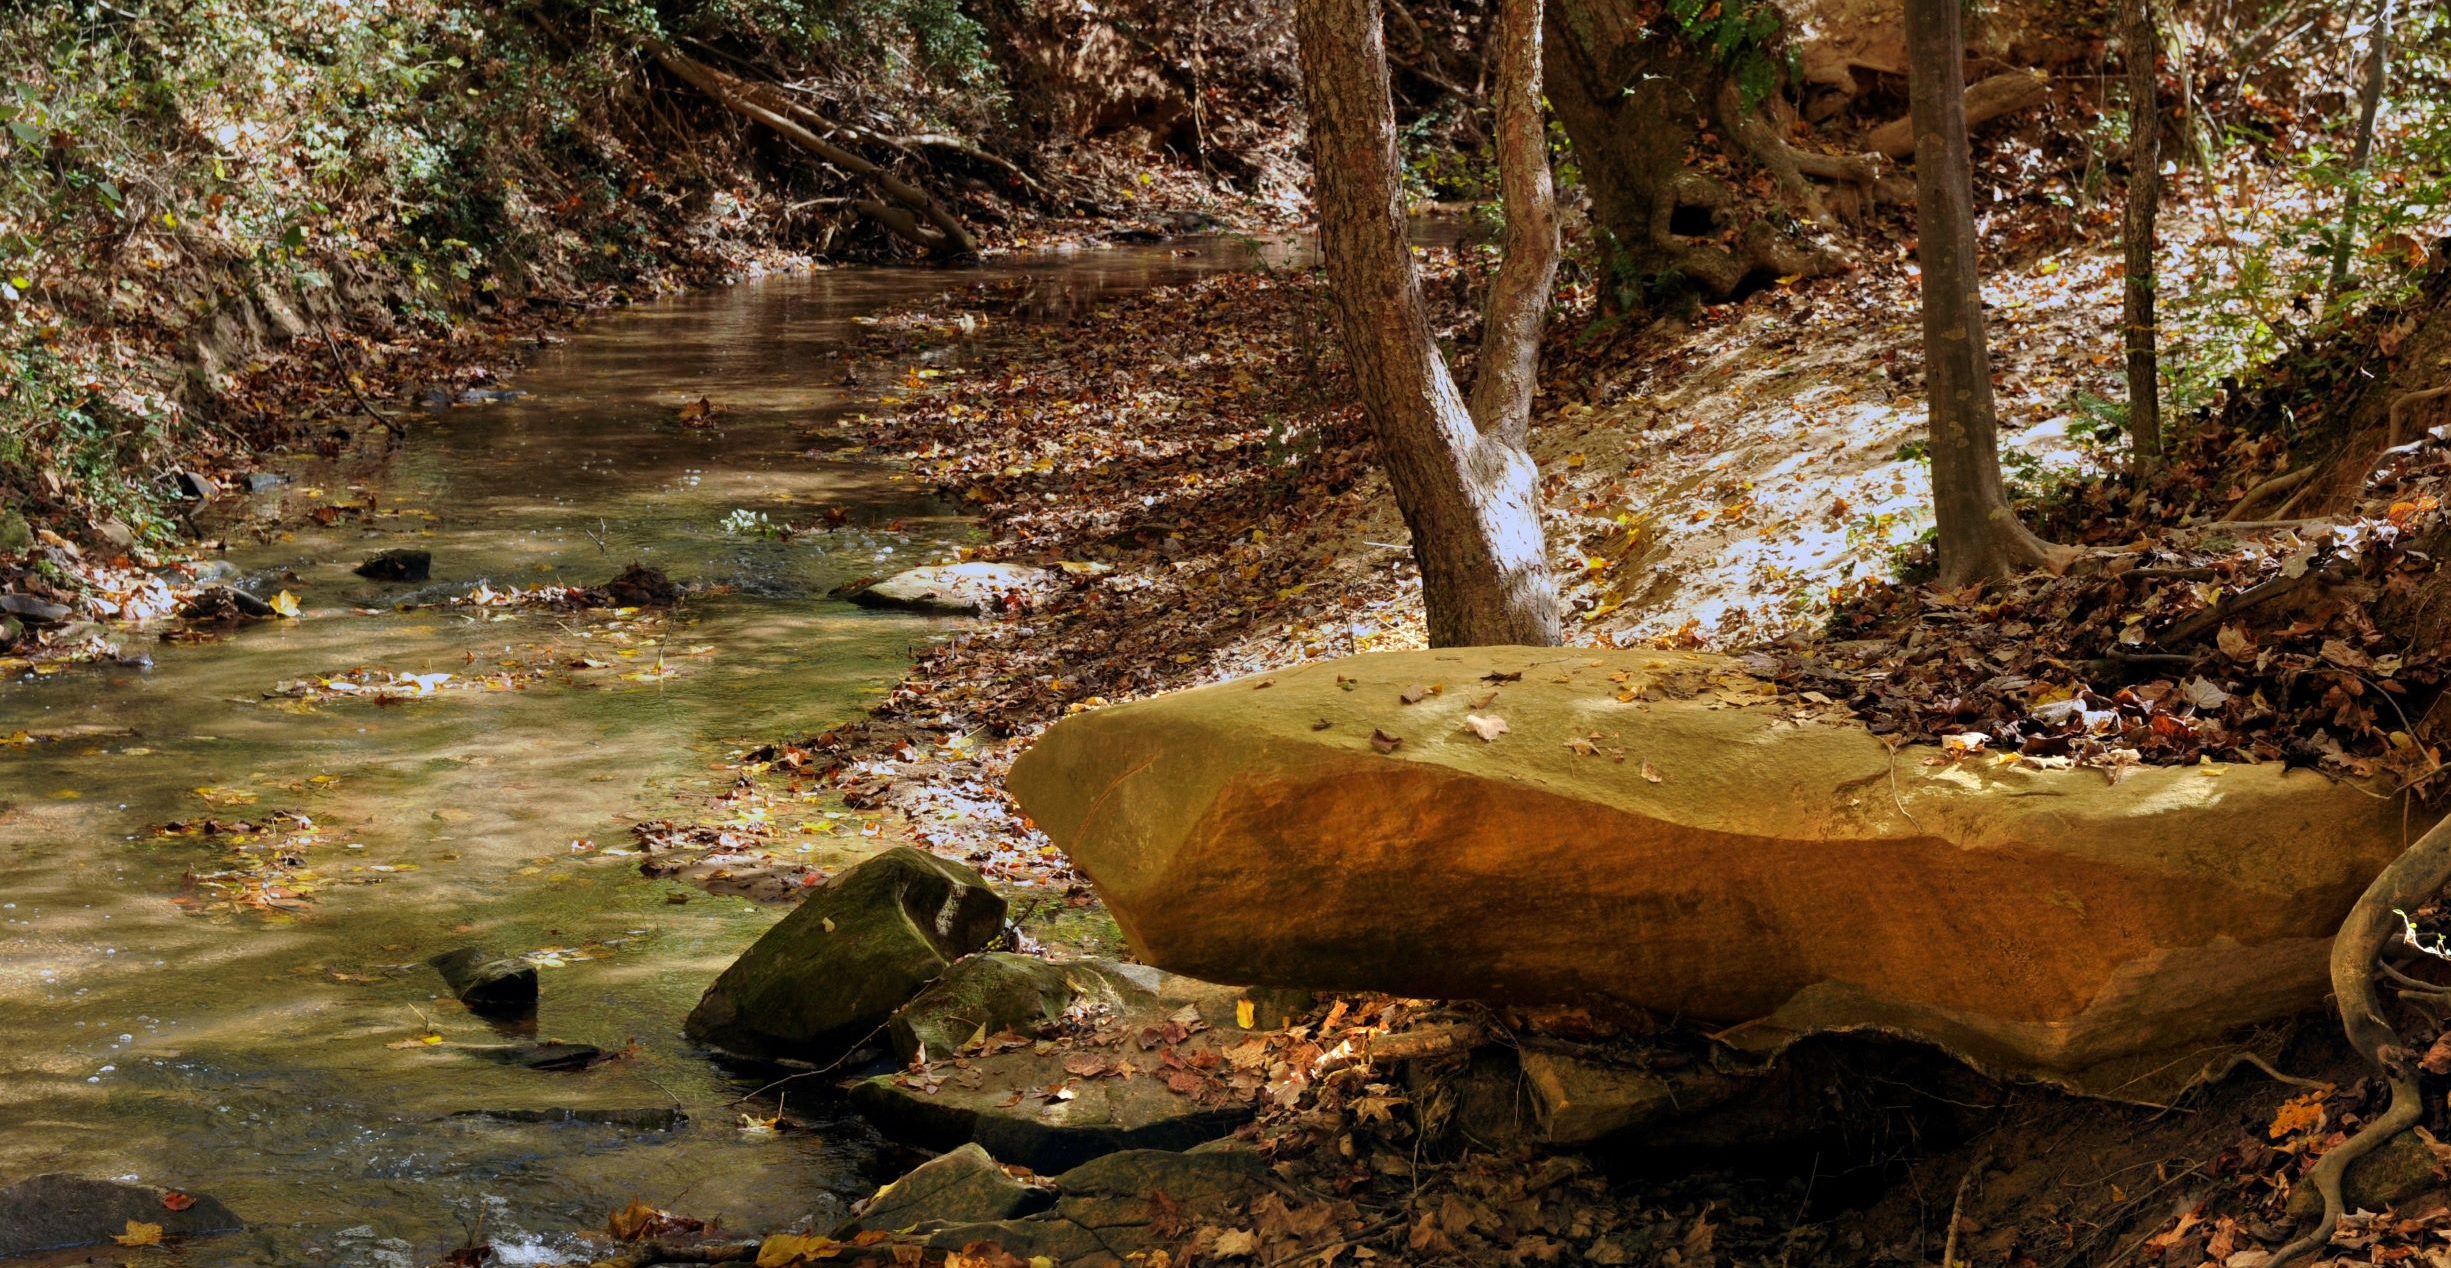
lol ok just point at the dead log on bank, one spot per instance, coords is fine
(906, 210)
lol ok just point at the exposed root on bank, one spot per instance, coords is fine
(2379, 916)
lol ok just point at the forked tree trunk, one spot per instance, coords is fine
(1469, 492)
(2144, 209)
(1980, 536)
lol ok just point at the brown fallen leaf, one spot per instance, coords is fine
(1384, 742)
(1488, 727)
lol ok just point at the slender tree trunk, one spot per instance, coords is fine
(2370, 101)
(1469, 492)
(1980, 536)
(2144, 209)
(1509, 364)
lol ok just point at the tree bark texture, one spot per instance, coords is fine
(2143, 211)
(2369, 103)
(1470, 495)
(1980, 536)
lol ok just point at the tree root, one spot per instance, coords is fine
(2418, 874)
(2273, 487)
(1789, 166)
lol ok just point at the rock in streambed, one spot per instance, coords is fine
(1660, 830)
(825, 978)
(58, 1210)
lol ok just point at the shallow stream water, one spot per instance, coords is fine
(274, 1051)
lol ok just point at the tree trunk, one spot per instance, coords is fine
(1468, 491)
(2144, 208)
(1632, 100)
(1980, 536)
(2370, 101)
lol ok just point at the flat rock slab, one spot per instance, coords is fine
(58, 1210)
(1120, 1208)
(1660, 830)
(1034, 1106)
(954, 589)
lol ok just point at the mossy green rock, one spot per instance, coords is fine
(15, 533)
(2399, 1169)
(1001, 991)
(827, 976)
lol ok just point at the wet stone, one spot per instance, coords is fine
(489, 984)
(33, 611)
(58, 1210)
(1120, 1208)
(402, 564)
(824, 979)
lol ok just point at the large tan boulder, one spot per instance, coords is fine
(1656, 830)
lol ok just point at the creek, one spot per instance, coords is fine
(246, 1012)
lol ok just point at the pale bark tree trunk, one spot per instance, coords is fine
(2144, 209)
(2370, 102)
(1467, 488)
(1980, 536)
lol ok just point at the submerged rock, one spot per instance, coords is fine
(1035, 1109)
(654, 1118)
(58, 1210)
(401, 564)
(954, 589)
(487, 983)
(965, 1186)
(1120, 1208)
(226, 603)
(1658, 830)
(33, 611)
(639, 586)
(827, 976)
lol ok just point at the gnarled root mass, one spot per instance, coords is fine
(2415, 877)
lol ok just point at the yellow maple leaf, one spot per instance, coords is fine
(781, 1250)
(285, 604)
(140, 1234)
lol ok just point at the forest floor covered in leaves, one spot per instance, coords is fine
(1188, 467)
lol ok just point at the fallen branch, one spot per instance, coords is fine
(2417, 875)
(942, 234)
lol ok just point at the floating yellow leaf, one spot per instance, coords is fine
(140, 1234)
(1244, 1013)
(285, 604)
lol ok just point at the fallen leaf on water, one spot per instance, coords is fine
(140, 1234)
(285, 604)
(1488, 727)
